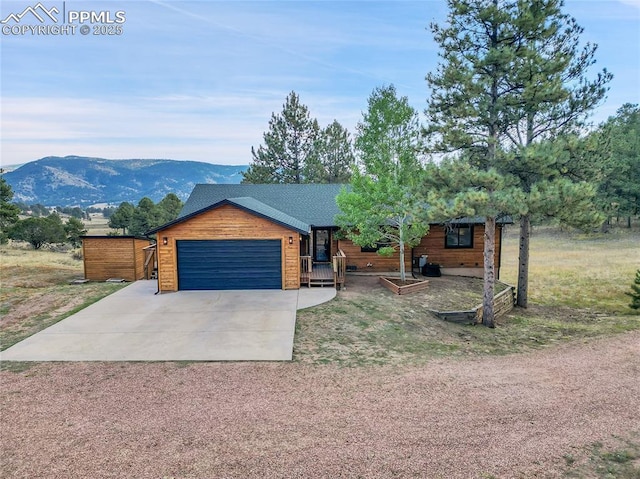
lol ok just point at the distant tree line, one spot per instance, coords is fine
(137, 220)
(45, 227)
(39, 209)
(38, 230)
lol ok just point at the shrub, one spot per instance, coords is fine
(635, 292)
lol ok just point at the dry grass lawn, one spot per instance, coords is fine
(570, 299)
(98, 226)
(35, 291)
(577, 271)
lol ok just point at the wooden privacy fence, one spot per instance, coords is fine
(150, 266)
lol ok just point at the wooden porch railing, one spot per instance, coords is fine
(324, 274)
(339, 268)
(306, 267)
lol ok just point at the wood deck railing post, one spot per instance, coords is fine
(306, 267)
(339, 268)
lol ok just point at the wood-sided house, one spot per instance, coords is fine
(282, 236)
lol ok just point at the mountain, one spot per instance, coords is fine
(82, 181)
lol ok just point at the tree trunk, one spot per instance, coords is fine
(523, 262)
(489, 271)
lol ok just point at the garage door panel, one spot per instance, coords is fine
(229, 264)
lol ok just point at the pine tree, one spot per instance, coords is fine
(169, 208)
(635, 294)
(619, 189)
(289, 145)
(333, 158)
(74, 229)
(512, 76)
(552, 99)
(40, 231)
(8, 211)
(145, 217)
(470, 99)
(121, 217)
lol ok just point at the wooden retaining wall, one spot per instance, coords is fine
(503, 302)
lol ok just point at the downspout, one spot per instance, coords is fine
(157, 269)
(500, 254)
(413, 275)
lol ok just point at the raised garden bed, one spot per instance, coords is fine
(397, 286)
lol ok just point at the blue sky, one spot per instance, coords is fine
(196, 80)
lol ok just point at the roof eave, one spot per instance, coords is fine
(223, 203)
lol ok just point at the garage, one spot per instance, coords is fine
(229, 264)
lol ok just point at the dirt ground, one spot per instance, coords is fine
(517, 416)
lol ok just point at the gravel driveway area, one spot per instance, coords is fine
(508, 417)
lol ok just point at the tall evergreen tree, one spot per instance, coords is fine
(512, 75)
(553, 98)
(289, 145)
(470, 100)
(8, 211)
(120, 218)
(145, 217)
(619, 189)
(333, 158)
(169, 208)
(74, 229)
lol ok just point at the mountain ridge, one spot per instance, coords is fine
(83, 181)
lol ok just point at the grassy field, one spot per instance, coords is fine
(577, 271)
(577, 291)
(35, 291)
(97, 226)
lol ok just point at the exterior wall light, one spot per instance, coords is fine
(165, 240)
(290, 239)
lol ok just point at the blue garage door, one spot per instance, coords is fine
(229, 264)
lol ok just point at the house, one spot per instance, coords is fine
(123, 257)
(282, 236)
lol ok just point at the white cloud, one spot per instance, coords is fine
(215, 128)
(632, 3)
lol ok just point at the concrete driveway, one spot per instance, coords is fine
(133, 324)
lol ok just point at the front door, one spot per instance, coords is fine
(322, 245)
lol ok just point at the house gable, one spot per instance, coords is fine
(226, 222)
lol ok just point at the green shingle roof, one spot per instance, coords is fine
(299, 207)
(266, 211)
(311, 204)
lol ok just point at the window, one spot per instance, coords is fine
(460, 236)
(374, 249)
